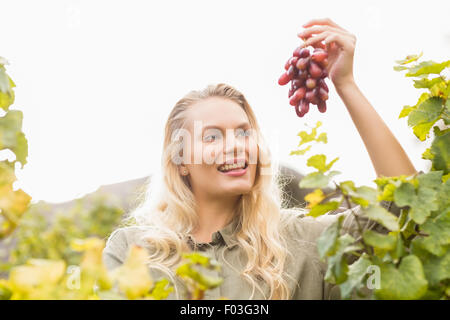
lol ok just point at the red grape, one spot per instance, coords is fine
(307, 72)
(291, 91)
(302, 75)
(292, 72)
(323, 95)
(298, 83)
(287, 64)
(314, 70)
(324, 63)
(297, 110)
(319, 55)
(297, 96)
(322, 84)
(304, 53)
(322, 106)
(302, 63)
(309, 96)
(310, 83)
(284, 79)
(302, 108)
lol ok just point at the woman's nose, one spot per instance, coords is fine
(233, 143)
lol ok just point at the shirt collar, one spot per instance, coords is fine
(227, 234)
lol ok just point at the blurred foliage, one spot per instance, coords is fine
(45, 236)
(58, 255)
(13, 203)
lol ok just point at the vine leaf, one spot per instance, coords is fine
(382, 216)
(355, 276)
(404, 283)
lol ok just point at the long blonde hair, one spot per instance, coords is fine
(167, 205)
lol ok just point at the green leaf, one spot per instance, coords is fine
(318, 161)
(347, 186)
(421, 203)
(322, 208)
(161, 289)
(399, 250)
(308, 137)
(300, 152)
(337, 265)
(12, 137)
(439, 89)
(427, 111)
(382, 216)
(380, 241)
(406, 111)
(438, 132)
(409, 58)
(426, 83)
(446, 114)
(432, 180)
(421, 131)
(437, 269)
(317, 179)
(322, 138)
(445, 178)
(427, 155)
(441, 151)
(355, 276)
(205, 282)
(427, 67)
(6, 99)
(438, 230)
(400, 68)
(327, 241)
(364, 196)
(405, 283)
(4, 81)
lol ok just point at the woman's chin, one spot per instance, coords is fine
(234, 191)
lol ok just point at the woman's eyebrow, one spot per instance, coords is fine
(243, 124)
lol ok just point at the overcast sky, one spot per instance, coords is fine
(96, 80)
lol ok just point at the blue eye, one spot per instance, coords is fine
(208, 138)
(245, 133)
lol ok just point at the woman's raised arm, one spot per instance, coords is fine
(386, 153)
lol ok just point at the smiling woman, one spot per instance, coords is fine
(201, 194)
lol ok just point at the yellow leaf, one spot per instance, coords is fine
(314, 197)
(37, 272)
(133, 276)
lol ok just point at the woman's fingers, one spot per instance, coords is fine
(325, 21)
(317, 44)
(318, 29)
(311, 41)
(328, 36)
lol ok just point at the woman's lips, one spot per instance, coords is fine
(236, 172)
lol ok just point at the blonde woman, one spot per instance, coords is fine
(235, 214)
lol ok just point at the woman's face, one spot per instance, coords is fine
(220, 133)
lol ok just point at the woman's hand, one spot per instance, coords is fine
(338, 42)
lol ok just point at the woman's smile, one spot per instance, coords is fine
(235, 172)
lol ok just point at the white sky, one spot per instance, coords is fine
(97, 79)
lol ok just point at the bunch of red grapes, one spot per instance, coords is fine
(307, 73)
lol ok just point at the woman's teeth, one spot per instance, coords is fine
(229, 167)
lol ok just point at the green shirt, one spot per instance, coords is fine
(301, 236)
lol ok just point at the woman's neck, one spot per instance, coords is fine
(213, 214)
